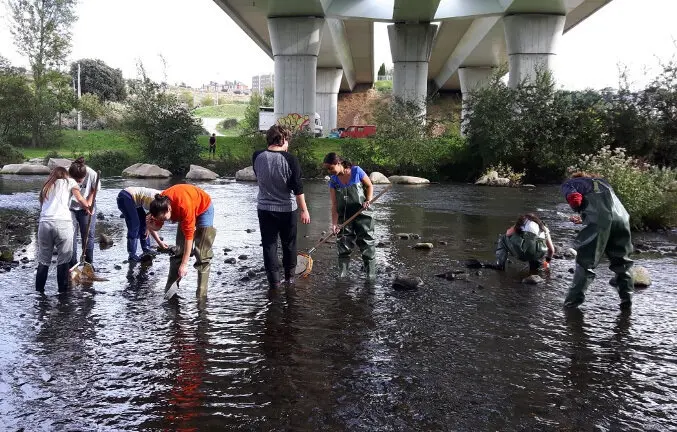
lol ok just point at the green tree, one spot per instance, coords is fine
(382, 70)
(187, 98)
(163, 125)
(91, 107)
(250, 123)
(42, 32)
(207, 101)
(16, 105)
(97, 78)
(268, 97)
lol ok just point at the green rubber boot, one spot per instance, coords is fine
(343, 265)
(370, 269)
(175, 259)
(204, 239)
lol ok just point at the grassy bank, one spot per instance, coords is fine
(230, 110)
(75, 143)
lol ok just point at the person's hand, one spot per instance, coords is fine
(548, 258)
(305, 217)
(576, 219)
(163, 245)
(335, 228)
(90, 210)
(366, 205)
(183, 270)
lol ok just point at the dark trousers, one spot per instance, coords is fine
(212, 150)
(80, 220)
(135, 219)
(272, 225)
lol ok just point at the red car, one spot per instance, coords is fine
(359, 131)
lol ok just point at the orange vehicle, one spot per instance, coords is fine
(359, 131)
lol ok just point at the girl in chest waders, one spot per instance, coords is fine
(528, 240)
(351, 190)
(606, 232)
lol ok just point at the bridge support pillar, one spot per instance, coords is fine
(410, 46)
(531, 41)
(472, 78)
(296, 44)
(328, 84)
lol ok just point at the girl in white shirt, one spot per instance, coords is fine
(56, 227)
(527, 240)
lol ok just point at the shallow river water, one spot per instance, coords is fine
(484, 354)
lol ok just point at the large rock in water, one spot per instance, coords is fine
(640, 276)
(58, 162)
(408, 180)
(246, 174)
(378, 178)
(492, 179)
(25, 169)
(142, 170)
(407, 283)
(199, 173)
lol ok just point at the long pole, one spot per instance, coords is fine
(79, 94)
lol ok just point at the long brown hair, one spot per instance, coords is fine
(333, 159)
(78, 169)
(58, 173)
(531, 217)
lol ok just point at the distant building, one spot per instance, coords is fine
(262, 82)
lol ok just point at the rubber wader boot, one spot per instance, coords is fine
(343, 264)
(501, 253)
(370, 269)
(289, 276)
(175, 259)
(41, 277)
(62, 277)
(131, 249)
(204, 239)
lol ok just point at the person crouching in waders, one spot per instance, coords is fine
(528, 240)
(134, 202)
(56, 227)
(606, 231)
(192, 208)
(350, 190)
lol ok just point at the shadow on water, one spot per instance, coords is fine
(476, 354)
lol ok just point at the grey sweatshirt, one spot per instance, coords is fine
(278, 174)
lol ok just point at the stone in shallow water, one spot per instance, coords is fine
(424, 246)
(407, 283)
(532, 280)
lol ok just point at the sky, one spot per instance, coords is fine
(200, 43)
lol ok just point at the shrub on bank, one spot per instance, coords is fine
(643, 189)
(10, 155)
(111, 162)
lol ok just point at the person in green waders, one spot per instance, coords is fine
(606, 231)
(528, 240)
(350, 190)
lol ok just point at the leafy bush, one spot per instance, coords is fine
(229, 123)
(644, 190)
(110, 162)
(10, 155)
(505, 171)
(53, 154)
(228, 164)
(301, 146)
(163, 125)
(207, 101)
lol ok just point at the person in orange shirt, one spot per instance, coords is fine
(192, 208)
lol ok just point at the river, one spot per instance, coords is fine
(484, 354)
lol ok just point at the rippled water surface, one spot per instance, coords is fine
(484, 354)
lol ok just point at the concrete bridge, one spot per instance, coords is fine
(321, 47)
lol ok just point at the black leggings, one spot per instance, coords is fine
(283, 224)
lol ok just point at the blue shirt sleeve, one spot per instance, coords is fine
(358, 174)
(333, 182)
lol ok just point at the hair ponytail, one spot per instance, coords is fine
(78, 169)
(159, 205)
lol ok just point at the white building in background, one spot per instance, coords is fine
(262, 82)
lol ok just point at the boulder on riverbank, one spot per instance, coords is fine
(58, 162)
(142, 170)
(378, 178)
(25, 169)
(492, 179)
(408, 180)
(199, 173)
(246, 174)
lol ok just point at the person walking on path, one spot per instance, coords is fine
(192, 208)
(350, 190)
(87, 179)
(212, 146)
(55, 228)
(134, 202)
(606, 231)
(279, 200)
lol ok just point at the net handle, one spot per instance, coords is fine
(350, 219)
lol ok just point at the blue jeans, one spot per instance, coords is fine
(205, 219)
(80, 220)
(135, 219)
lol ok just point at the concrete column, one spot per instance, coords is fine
(472, 78)
(296, 43)
(531, 41)
(328, 84)
(410, 46)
